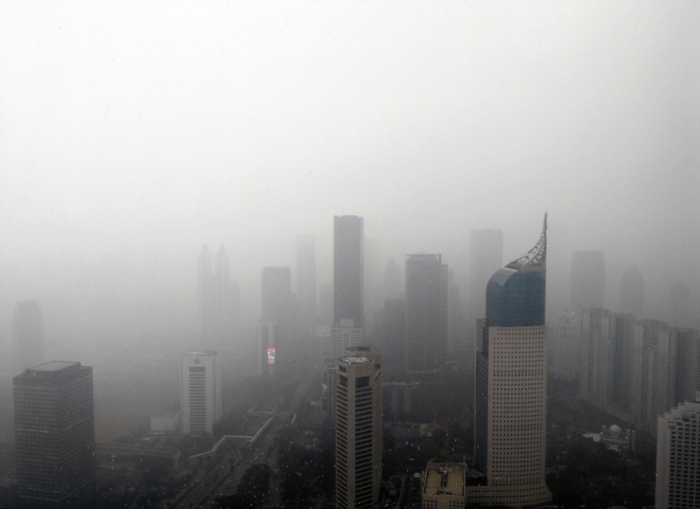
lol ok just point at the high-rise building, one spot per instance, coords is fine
(426, 313)
(597, 357)
(219, 300)
(54, 431)
(306, 284)
(687, 364)
(632, 292)
(392, 334)
(680, 305)
(678, 457)
(267, 346)
(587, 280)
(646, 374)
(623, 339)
(358, 436)
(278, 305)
(485, 259)
(28, 335)
(200, 392)
(511, 385)
(344, 334)
(325, 305)
(566, 363)
(455, 318)
(348, 269)
(392, 281)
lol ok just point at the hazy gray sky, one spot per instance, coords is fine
(151, 128)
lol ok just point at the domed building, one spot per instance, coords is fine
(614, 438)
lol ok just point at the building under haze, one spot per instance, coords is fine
(219, 300)
(28, 335)
(632, 292)
(345, 334)
(680, 305)
(54, 431)
(392, 281)
(426, 313)
(306, 284)
(566, 361)
(348, 269)
(266, 335)
(486, 257)
(200, 392)
(511, 385)
(597, 357)
(587, 280)
(678, 457)
(649, 335)
(358, 435)
(278, 305)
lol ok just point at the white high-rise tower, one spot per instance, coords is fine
(200, 393)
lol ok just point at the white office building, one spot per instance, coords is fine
(200, 392)
(678, 457)
(344, 334)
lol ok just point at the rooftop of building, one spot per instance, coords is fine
(200, 353)
(444, 478)
(354, 360)
(53, 366)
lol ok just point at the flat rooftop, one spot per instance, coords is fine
(354, 360)
(53, 366)
(444, 479)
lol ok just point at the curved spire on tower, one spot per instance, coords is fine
(536, 258)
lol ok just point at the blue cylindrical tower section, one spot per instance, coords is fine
(515, 298)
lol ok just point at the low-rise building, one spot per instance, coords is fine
(443, 485)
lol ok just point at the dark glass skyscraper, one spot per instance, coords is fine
(54, 431)
(511, 385)
(348, 269)
(426, 313)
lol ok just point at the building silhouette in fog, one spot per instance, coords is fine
(200, 392)
(358, 438)
(278, 305)
(266, 335)
(348, 269)
(392, 281)
(587, 280)
(678, 457)
(54, 431)
(306, 284)
(566, 361)
(632, 292)
(218, 298)
(511, 385)
(486, 257)
(28, 335)
(680, 305)
(426, 313)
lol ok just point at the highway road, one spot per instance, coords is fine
(219, 481)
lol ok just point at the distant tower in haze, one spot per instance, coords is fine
(54, 431)
(426, 313)
(587, 280)
(278, 305)
(348, 269)
(306, 283)
(219, 299)
(392, 281)
(28, 335)
(485, 259)
(680, 314)
(632, 292)
(455, 319)
(565, 351)
(267, 347)
(325, 307)
(358, 436)
(511, 385)
(200, 392)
